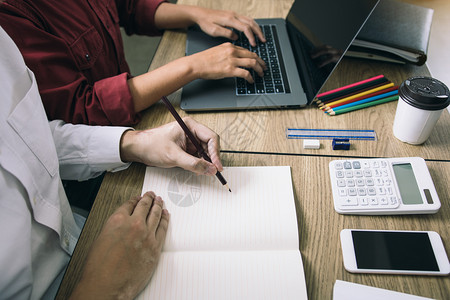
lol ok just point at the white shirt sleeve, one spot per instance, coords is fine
(87, 151)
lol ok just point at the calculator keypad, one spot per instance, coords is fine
(363, 185)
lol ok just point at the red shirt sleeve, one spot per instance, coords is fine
(75, 50)
(138, 16)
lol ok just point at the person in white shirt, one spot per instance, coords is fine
(38, 231)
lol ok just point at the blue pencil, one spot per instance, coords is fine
(364, 101)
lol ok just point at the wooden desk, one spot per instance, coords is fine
(318, 224)
(264, 130)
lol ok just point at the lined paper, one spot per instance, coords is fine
(222, 245)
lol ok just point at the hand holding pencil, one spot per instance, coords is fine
(213, 147)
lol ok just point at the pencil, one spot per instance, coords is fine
(359, 95)
(373, 85)
(350, 85)
(368, 104)
(363, 97)
(365, 100)
(200, 150)
(353, 90)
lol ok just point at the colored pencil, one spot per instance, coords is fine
(370, 87)
(363, 97)
(381, 96)
(352, 90)
(361, 94)
(350, 85)
(368, 104)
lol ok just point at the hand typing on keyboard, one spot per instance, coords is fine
(227, 60)
(220, 23)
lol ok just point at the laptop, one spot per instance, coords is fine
(301, 53)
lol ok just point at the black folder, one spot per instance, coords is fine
(397, 32)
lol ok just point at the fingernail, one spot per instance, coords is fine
(151, 194)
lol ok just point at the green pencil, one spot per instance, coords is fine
(364, 105)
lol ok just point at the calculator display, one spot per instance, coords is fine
(407, 184)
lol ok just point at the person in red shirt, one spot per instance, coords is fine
(76, 52)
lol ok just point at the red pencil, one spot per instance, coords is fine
(349, 86)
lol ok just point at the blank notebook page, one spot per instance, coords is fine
(222, 245)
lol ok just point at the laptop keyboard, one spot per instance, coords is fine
(275, 78)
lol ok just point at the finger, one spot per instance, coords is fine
(252, 29)
(161, 232)
(193, 164)
(255, 64)
(143, 206)
(220, 31)
(243, 73)
(249, 27)
(215, 156)
(244, 27)
(155, 214)
(238, 51)
(129, 206)
(207, 138)
(244, 53)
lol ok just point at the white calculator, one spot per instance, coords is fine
(388, 186)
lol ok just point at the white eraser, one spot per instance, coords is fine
(311, 144)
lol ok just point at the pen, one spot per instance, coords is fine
(192, 138)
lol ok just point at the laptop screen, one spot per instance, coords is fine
(320, 37)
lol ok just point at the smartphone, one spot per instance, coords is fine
(394, 252)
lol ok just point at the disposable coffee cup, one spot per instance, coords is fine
(420, 104)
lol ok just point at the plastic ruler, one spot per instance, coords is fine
(329, 134)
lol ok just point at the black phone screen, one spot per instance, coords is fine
(409, 251)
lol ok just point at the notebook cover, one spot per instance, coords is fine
(399, 25)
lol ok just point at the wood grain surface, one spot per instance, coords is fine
(318, 224)
(264, 130)
(260, 136)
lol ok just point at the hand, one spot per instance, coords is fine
(167, 146)
(226, 60)
(125, 254)
(219, 23)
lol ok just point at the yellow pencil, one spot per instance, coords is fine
(324, 107)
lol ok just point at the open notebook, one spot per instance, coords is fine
(222, 245)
